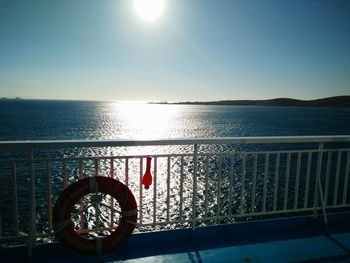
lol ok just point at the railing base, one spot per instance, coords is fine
(184, 240)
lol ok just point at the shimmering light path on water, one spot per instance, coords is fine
(50, 120)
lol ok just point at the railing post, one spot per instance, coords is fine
(194, 186)
(318, 187)
(15, 198)
(155, 190)
(140, 194)
(168, 192)
(49, 196)
(32, 204)
(242, 196)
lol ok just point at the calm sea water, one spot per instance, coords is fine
(51, 120)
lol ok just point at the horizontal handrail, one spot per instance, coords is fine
(179, 141)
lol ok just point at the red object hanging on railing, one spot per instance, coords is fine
(147, 177)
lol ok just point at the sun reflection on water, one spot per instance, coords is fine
(144, 121)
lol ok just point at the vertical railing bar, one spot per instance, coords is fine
(127, 171)
(206, 186)
(322, 202)
(307, 182)
(81, 201)
(329, 160)
(32, 228)
(287, 182)
(49, 195)
(336, 185)
(230, 184)
(154, 190)
(346, 180)
(318, 187)
(96, 167)
(65, 180)
(297, 178)
(111, 169)
(15, 198)
(194, 194)
(181, 185)
(275, 190)
(111, 198)
(242, 182)
(168, 192)
(81, 176)
(218, 209)
(267, 156)
(140, 197)
(254, 181)
(97, 208)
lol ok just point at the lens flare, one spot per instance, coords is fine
(149, 10)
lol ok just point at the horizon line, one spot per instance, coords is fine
(165, 101)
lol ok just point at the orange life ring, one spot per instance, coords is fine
(63, 225)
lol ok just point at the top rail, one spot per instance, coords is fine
(182, 141)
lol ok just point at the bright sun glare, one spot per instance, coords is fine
(146, 121)
(149, 10)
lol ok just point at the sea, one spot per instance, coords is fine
(23, 120)
(70, 120)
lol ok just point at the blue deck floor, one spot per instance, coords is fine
(312, 249)
(300, 239)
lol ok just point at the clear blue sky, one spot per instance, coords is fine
(197, 50)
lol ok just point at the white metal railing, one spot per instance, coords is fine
(196, 182)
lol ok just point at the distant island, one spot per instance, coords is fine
(10, 98)
(337, 101)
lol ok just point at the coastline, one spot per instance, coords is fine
(336, 101)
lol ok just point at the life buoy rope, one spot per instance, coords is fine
(63, 225)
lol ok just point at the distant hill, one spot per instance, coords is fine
(10, 98)
(338, 101)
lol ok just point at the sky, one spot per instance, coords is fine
(197, 50)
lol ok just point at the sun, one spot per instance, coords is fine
(149, 10)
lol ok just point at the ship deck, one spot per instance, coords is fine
(292, 239)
